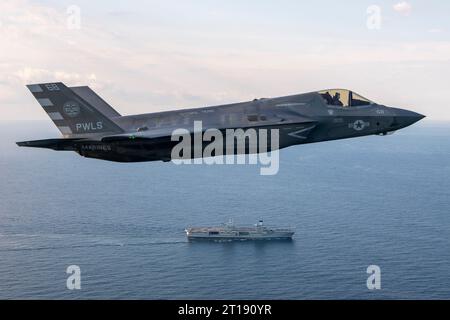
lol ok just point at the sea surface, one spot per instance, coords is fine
(381, 201)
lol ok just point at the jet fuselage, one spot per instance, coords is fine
(299, 119)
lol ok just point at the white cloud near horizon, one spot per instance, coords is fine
(403, 7)
(146, 68)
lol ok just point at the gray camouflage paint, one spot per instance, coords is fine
(94, 129)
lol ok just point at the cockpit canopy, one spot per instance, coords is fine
(343, 98)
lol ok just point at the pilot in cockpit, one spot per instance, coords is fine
(337, 99)
(328, 98)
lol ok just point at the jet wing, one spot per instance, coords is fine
(164, 134)
(145, 135)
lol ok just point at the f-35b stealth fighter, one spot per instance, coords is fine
(94, 129)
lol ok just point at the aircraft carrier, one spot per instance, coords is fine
(230, 232)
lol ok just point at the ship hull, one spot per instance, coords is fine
(223, 237)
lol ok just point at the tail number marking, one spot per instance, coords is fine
(89, 126)
(52, 87)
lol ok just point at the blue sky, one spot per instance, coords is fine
(145, 56)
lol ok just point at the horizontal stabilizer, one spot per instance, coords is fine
(54, 144)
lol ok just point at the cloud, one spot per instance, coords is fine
(435, 30)
(403, 8)
(29, 75)
(145, 67)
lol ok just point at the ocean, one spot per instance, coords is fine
(381, 201)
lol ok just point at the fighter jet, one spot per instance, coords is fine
(92, 128)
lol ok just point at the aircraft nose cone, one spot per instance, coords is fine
(404, 118)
